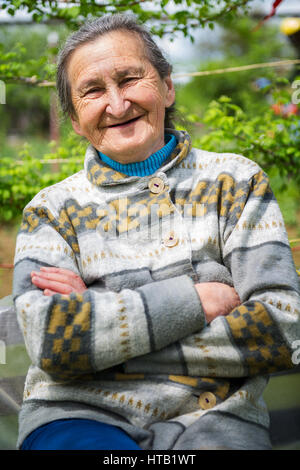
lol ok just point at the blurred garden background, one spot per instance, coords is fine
(237, 75)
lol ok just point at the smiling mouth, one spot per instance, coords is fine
(125, 123)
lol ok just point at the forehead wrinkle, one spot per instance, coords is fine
(127, 71)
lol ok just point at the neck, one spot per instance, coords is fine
(145, 167)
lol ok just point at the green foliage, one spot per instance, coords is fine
(240, 44)
(187, 16)
(269, 139)
(23, 176)
(242, 121)
(25, 54)
(159, 14)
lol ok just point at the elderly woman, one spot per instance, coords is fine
(155, 288)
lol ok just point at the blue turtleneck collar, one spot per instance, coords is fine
(146, 167)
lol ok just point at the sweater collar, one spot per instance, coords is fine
(101, 174)
(145, 167)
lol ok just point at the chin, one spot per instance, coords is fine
(131, 152)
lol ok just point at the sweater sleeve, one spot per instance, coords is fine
(259, 336)
(70, 335)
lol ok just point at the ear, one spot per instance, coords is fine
(75, 124)
(170, 94)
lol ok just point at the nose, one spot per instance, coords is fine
(117, 105)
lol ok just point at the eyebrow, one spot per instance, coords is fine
(119, 74)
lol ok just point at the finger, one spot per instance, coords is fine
(53, 269)
(54, 276)
(74, 281)
(50, 292)
(237, 298)
(59, 287)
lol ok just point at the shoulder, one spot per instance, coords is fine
(212, 164)
(54, 196)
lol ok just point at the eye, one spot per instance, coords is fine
(128, 80)
(93, 90)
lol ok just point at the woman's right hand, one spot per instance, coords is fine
(54, 280)
(217, 299)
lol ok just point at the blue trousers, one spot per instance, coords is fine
(78, 434)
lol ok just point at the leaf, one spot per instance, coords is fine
(224, 99)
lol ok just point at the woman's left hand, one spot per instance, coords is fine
(57, 281)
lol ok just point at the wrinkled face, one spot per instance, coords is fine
(119, 97)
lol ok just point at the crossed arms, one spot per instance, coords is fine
(216, 298)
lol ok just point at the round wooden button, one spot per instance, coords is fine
(207, 400)
(171, 241)
(156, 185)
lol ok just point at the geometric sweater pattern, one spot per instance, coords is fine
(134, 350)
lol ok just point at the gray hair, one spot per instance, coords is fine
(91, 31)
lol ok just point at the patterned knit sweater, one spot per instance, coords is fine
(134, 350)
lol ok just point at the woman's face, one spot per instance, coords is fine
(119, 97)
